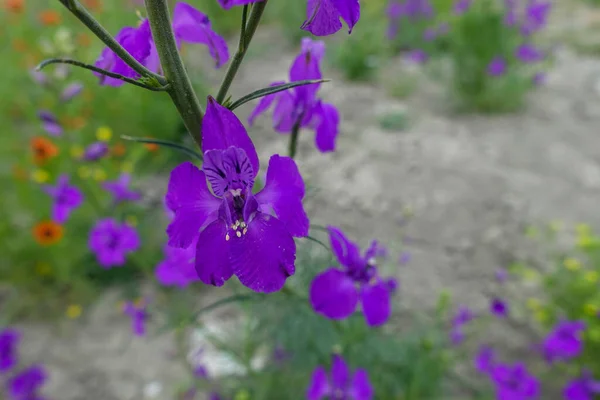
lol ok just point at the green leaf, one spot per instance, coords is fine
(271, 90)
(166, 143)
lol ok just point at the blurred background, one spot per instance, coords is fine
(468, 145)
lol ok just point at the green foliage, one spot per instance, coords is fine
(289, 16)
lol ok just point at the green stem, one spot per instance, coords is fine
(180, 87)
(245, 38)
(88, 20)
(294, 138)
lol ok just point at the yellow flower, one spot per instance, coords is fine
(530, 275)
(591, 309)
(40, 176)
(43, 269)
(591, 277)
(76, 151)
(74, 311)
(583, 229)
(541, 315)
(99, 174)
(127, 167)
(104, 133)
(572, 264)
(84, 172)
(533, 304)
(131, 220)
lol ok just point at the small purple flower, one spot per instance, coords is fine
(514, 382)
(336, 293)
(499, 308)
(25, 385)
(39, 77)
(95, 151)
(564, 342)
(496, 67)
(528, 53)
(461, 6)
(501, 275)
(50, 123)
(227, 4)
(138, 315)
(582, 388)
(404, 258)
(120, 189)
(70, 91)
(300, 105)
(178, 267)
(539, 78)
(417, 56)
(111, 241)
(430, 34)
(339, 385)
(323, 16)
(239, 233)
(485, 359)
(9, 341)
(463, 316)
(536, 16)
(66, 199)
(392, 284)
(192, 26)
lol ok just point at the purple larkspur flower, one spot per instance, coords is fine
(485, 359)
(418, 56)
(138, 315)
(26, 384)
(95, 151)
(192, 26)
(240, 233)
(501, 275)
(39, 77)
(583, 387)
(9, 341)
(461, 6)
(564, 342)
(323, 16)
(417, 9)
(497, 66)
(137, 42)
(300, 105)
(463, 316)
(498, 307)
(536, 16)
(178, 267)
(336, 293)
(227, 4)
(70, 91)
(339, 385)
(120, 189)
(50, 123)
(66, 199)
(514, 382)
(528, 53)
(111, 241)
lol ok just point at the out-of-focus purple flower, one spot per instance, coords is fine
(417, 9)
(514, 382)
(300, 106)
(339, 385)
(497, 66)
(430, 34)
(536, 16)
(323, 16)
(39, 77)
(539, 78)
(138, 315)
(9, 341)
(582, 388)
(120, 189)
(240, 233)
(485, 359)
(66, 199)
(443, 28)
(528, 53)
(461, 6)
(95, 151)
(280, 355)
(463, 316)
(336, 293)
(178, 267)
(70, 91)
(50, 123)
(25, 385)
(564, 342)
(227, 4)
(111, 241)
(501, 275)
(192, 26)
(404, 258)
(418, 56)
(392, 284)
(498, 307)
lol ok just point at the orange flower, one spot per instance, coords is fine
(151, 146)
(93, 5)
(50, 17)
(84, 40)
(118, 150)
(43, 149)
(14, 6)
(47, 233)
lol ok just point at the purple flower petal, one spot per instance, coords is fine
(485, 359)
(71, 91)
(111, 241)
(349, 10)
(50, 123)
(66, 198)
(361, 388)
(322, 18)
(26, 383)
(340, 375)
(228, 170)
(283, 193)
(347, 252)
(120, 189)
(222, 129)
(333, 294)
(499, 308)
(227, 4)
(319, 387)
(376, 303)
(306, 66)
(212, 255)
(285, 113)
(95, 151)
(264, 104)
(9, 342)
(194, 205)
(327, 127)
(263, 258)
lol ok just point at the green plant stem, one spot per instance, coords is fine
(293, 146)
(101, 33)
(246, 36)
(180, 87)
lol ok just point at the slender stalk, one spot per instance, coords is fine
(88, 20)
(294, 138)
(180, 87)
(246, 36)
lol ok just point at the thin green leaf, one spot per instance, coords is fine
(271, 90)
(227, 300)
(165, 143)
